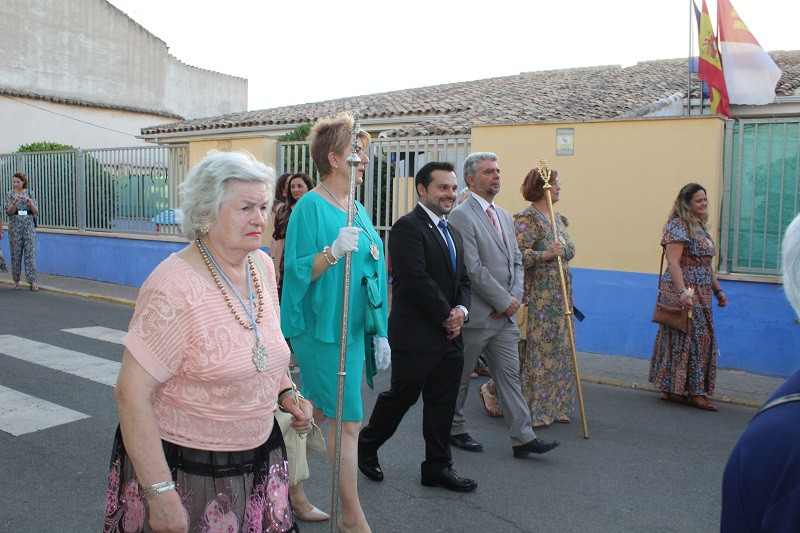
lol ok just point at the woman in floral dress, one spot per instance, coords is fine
(684, 365)
(547, 376)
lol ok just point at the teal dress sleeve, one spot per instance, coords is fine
(316, 307)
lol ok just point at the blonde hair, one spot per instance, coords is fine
(682, 209)
(333, 134)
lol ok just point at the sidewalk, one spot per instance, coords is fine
(732, 386)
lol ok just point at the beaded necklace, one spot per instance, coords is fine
(373, 248)
(259, 352)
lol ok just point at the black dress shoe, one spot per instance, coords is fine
(537, 445)
(465, 442)
(371, 468)
(448, 479)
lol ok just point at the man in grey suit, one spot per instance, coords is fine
(494, 263)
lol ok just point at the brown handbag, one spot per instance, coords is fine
(668, 315)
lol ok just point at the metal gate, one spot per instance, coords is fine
(388, 190)
(119, 190)
(761, 193)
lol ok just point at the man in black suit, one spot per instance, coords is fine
(430, 301)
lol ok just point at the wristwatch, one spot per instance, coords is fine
(466, 312)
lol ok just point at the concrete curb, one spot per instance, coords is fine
(111, 299)
(586, 378)
(602, 380)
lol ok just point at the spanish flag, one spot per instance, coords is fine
(750, 73)
(710, 69)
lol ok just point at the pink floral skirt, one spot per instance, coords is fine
(223, 492)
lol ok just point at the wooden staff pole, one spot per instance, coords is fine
(544, 171)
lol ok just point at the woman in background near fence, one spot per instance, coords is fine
(275, 245)
(684, 365)
(21, 208)
(3, 267)
(297, 185)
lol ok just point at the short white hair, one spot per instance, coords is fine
(206, 187)
(791, 263)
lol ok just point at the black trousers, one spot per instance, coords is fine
(434, 376)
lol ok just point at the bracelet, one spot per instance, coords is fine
(325, 255)
(716, 292)
(284, 391)
(158, 488)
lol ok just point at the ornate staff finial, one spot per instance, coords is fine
(544, 171)
(353, 159)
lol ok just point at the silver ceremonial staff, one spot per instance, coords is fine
(544, 171)
(353, 160)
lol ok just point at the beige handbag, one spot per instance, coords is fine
(522, 320)
(297, 444)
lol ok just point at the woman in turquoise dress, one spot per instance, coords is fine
(311, 309)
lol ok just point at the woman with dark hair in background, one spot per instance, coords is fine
(297, 185)
(276, 245)
(21, 208)
(684, 365)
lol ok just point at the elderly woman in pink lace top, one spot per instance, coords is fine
(204, 368)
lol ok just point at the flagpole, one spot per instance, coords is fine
(689, 63)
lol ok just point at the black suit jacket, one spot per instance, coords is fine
(424, 287)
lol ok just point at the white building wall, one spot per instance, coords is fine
(82, 127)
(89, 50)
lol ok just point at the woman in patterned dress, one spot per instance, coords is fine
(204, 368)
(684, 365)
(546, 376)
(21, 207)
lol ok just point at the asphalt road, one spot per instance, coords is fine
(647, 465)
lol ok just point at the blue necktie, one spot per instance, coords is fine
(443, 225)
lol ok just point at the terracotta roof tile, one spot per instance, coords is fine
(591, 93)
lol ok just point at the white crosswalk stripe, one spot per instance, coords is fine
(78, 364)
(99, 332)
(21, 413)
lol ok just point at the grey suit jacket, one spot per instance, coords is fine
(494, 267)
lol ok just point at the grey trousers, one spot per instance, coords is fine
(498, 341)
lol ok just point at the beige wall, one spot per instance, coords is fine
(618, 187)
(262, 148)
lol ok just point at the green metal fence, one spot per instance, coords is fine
(761, 193)
(120, 190)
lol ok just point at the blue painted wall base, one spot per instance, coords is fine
(755, 332)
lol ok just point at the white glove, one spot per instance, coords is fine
(347, 241)
(383, 353)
